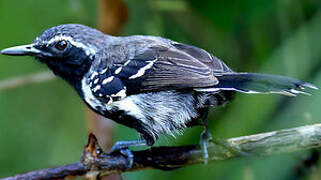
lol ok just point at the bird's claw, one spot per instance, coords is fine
(123, 148)
(129, 156)
(127, 153)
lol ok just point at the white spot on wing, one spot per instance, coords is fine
(208, 89)
(96, 81)
(90, 99)
(142, 70)
(108, 80)
(103, 71)
(127, 62)
(118, 70)
(93, 75)
(96, 88)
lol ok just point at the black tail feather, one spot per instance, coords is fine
(260, 83)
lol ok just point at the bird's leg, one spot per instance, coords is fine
(123, 148)
(206, 137)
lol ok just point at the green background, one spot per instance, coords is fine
(44, 125)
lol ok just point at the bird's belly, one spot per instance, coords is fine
(159, 112)
(151, 114)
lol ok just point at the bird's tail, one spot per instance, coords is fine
(260, 83)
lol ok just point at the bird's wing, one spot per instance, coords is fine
(158, 68)
(161, 68)
(105, 86)
(215, 64)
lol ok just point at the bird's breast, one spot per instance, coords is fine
(91, 100)
(127, 105)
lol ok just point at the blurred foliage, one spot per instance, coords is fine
(43, 125)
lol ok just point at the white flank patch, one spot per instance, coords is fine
(142, 70)
(110, 100)
(118, 70)
(128, 105)
(88, 50)
(108, 80)
(121, 94)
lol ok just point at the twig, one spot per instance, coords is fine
(95, 163)
(26, 79)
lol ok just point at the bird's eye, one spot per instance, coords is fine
(61, 45)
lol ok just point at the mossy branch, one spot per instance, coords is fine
(95, 163)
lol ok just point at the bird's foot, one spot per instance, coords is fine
(129, 156)
(123, 148)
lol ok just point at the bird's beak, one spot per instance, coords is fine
(23, 50)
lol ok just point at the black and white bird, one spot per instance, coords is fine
(152, 84)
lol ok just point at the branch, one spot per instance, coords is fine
(96, 163)
(26, 79)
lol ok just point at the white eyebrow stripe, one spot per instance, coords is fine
(88, 49)
(59, 38)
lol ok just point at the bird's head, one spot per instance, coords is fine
(67, 49)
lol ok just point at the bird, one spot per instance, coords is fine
(152, 84)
